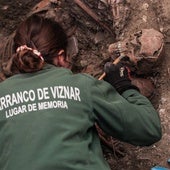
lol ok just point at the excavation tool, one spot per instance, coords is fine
(117, 60)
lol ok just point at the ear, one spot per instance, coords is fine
(60, 60)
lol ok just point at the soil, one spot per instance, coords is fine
(90, 53)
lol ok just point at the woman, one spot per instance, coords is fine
(48, 114)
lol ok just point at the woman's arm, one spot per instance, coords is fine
(129, 117)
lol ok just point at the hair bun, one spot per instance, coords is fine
(28, 59)
(25, 47)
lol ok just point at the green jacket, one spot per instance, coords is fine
(47, 120)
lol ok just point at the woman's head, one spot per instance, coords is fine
(38, 40)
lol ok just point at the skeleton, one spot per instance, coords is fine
(120, 11)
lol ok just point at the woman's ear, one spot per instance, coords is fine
(60, 60)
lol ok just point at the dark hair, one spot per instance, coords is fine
(42, 34)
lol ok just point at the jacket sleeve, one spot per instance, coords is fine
(129, 117)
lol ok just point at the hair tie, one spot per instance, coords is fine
(25, 47)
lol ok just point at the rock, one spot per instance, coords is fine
(99, 36)
(145, 86)
(72, 49)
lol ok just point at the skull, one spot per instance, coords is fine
(145, 49)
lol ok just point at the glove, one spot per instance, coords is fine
(118, 76)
